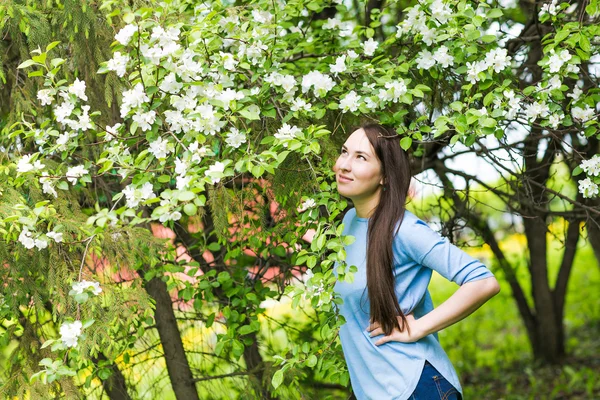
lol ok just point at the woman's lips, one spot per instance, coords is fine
(342, 179)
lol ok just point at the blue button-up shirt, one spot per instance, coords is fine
(392, 370)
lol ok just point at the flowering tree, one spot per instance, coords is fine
(220, 104)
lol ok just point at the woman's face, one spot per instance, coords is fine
(357, 169)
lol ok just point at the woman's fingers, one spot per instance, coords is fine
(376, 332)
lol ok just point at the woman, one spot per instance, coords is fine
(389, 339)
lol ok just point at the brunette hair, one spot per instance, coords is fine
(389, 213)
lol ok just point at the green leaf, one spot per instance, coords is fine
(576, 172)
(494, 13)
(190, 209)
(277, 379)
(186, 196)
(406, 142)
(26, 64)
(312, 361)
(584, 43)
(488, 38)
(52, 45)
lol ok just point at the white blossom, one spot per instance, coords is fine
(40, 243)
(45, 96)
(339, 66)
(63, 111)
(113, 130)
(591, 166)
(181, 166)
(133, 98)
(160, 148)
(70, 332)
(125, 34)
(235, 138)
(118, 63)
(170, 216)
(229, 62)
(262, 17)
(214, 171)
(350, 102)
(76, 172)
(144, 119)
(588, 188)
(396, 89)
(299, 104)
(557, 60)
(443, 58)
(170, 85)
(369, 47)
(80, 287)
(352, 54)
(429, 34)
(308, 203)
(320, 83)
(440, 11)
(287, 132)
(26, 239)
(535, 110)
(181, 182)
(135, 195)
(78, 89)
(554, 120)
(48, 184)
(228, 95)
(498, 59)
(332, 23)
(425, 60)
(24, 164)
(577, 92)
(549, 8)
(583, 114)
(56, 236)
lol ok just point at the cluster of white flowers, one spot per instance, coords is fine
(514, 104)
(588, 188)
(80, 287)
(549, 8)
(235, 138)
(228, 95)
(29, 242)
(70, 332)
(308, 203)
(583, 114)
(215, 172)
(339, 66)
(144, 119)
(45, 96)
(287, 132)
(313, 290)
(321, 83)
(48, 184)
(498, 59)
(557, 60)
(165, 44)
(125, 34)
(287, 82)
(78, 89)
(425, 59)
(118, 63)
(536, 110)
(395, 90)
(161, 148)
(300, 104)
(133, 98)
(591, 166)
(73, 173)
(135, 195)
(350, 102)
(369, 47)
(24, 164)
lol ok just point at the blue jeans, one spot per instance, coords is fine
(433, 386)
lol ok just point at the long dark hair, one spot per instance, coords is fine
(395, 168)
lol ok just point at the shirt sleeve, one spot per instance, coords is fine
(428, 248)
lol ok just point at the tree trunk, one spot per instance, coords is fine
(170, 337)
(547, 343)
(254, 362)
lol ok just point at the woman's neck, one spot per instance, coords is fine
(366, 207)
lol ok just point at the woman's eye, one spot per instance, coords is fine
(362, 157)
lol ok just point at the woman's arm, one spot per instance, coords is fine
(468, 298)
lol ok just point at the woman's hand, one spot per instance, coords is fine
(396, 335)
